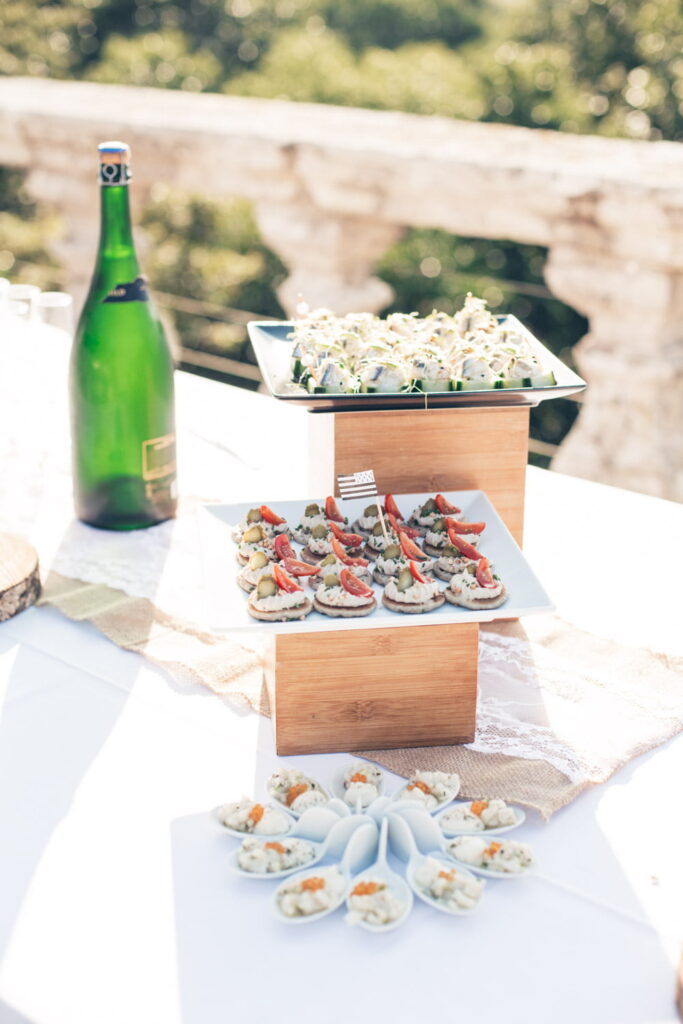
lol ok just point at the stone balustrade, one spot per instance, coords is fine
(334, 187)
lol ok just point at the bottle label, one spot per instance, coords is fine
(129, 291)
(117, 173)
(158, 458)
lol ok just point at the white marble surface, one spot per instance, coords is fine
(115, 902)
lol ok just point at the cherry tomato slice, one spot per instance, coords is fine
(445, 507)
(271, 517)
(484, 574)
(410, 548)
(459, 527)
(283, 581)
(343, 557)
(352, 585)
(297, 568)
(464, 547)
(391, 507)
(349, 540)
(332, 512)
(417, 575)
(401, 527)
(283, 549)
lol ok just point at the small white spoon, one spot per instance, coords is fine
(290, 810)
(404, 846)
(240, 835)
(489, 872)
(333, 845)
(454, 830)
(380, 871)
(360, 849)
(400, 794)
(340, 790)
(313, 824)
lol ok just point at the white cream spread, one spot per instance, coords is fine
(254, 575)
(437, 540)
(466, 584)
(247, 550)
(379, 542)
(367, 522)
(320, 545)
(455, 565)
(340, 598)
(417, 593)
(277, 602)
(391, 566)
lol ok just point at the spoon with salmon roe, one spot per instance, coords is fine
(378, 899)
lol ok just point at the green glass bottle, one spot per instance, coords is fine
(122, 402)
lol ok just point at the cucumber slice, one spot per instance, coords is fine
(371, 510)
(331, 580)
(312, 510)
(258, 560)
(543, 380)
(393, 551)
(266, 587)
(254, 515)
(319, 531)
(253, 535)
(435, 386)
(514, 382)
(297, 369)
(405, 580)
(478, 385)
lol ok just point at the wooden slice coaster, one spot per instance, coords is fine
(19, 577)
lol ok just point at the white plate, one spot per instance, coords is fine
(227, 603)
(451, 833)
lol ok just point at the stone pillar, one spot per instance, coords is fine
(330, 257)
(630, 429)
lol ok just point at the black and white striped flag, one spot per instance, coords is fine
(358, 485)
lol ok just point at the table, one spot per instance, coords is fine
(116, 905)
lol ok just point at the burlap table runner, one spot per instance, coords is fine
(610, 702)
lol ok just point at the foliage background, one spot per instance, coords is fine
(613, 67)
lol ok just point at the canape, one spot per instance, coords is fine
(295, 790)
(254, 539)
(271, 857)
(362, 783)
(339, 560)
(367, 520)
(320, 542)
(272, 523)
(438, 534)
(277, 598)
(316, 515)
(396, 557)
(455, 890)
(504, 856)
(313, 894)
(478, 816)
(247, 815)
(259, 564)
(374, 902)
(424, 516)
(378, 541)
(484, 589)
(344, 596)
(431, 789)
(412, 593)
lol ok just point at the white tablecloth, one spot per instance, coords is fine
(116, 905)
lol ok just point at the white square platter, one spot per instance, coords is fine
(227, 602)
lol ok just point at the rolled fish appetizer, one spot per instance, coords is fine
(272, 856)
(272, 523)
(248, 816)
(484, 589)
(337, 561)
(255, 538)
(412, 593)
(320, 542)
(344, 596)
(295, 790)
(431, 789)
(362, 784)
(278, 598)
(454, 890)
(504, 856)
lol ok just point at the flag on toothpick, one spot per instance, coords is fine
(358, 485)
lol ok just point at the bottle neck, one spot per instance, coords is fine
(116, 232)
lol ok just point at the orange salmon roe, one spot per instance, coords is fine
(294, 791)
(477, 806)
(278, 847)
(420, 785)
(313, 884)
(365, 889)
(448, 875)
(493, 848)
(256, 813)
(358, 777)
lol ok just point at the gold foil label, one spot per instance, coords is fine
(158, 457)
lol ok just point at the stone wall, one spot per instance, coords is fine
(334, 187)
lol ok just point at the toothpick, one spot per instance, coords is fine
(381, 519)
